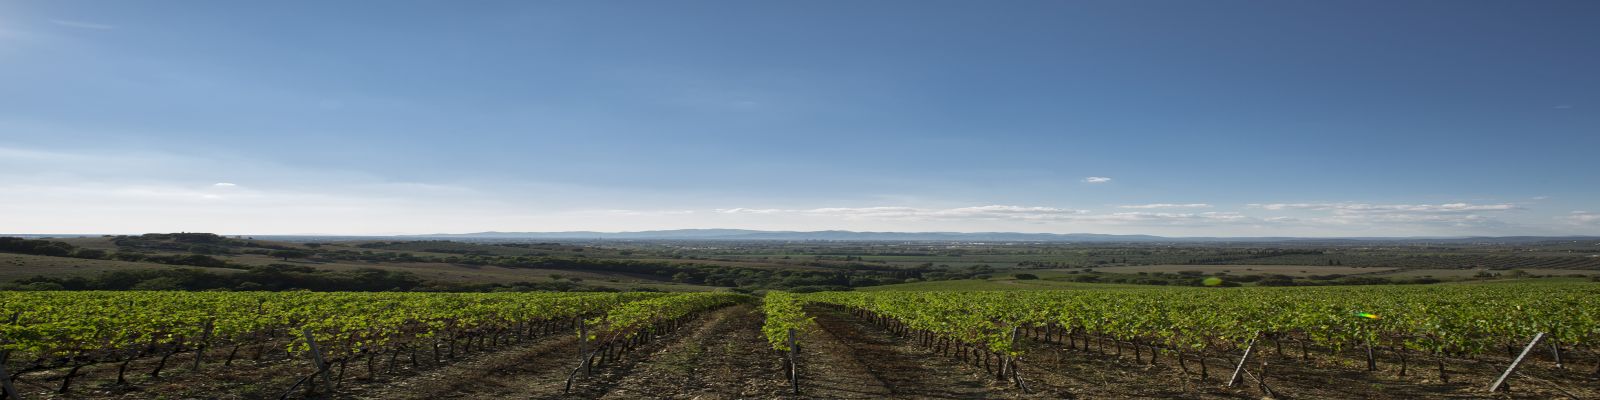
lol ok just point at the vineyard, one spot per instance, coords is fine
(1420, 261)
(1411, 341)
(49, 332)
(1431, 320)
(1408, 326)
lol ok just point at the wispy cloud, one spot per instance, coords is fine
(1353, 208)
(123, 191)
(990, 212)
(130, 191)
(1173, 218)
(82, 24)
(1583, 218)
(1096, 179)
(1008, 213)
(1457, 215)
(1166, 205)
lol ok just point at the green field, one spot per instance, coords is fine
(996, 284)
(1290, 270)
(19, 266)
(813, 266)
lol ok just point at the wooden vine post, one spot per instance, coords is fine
(584, 355)
(583, 346)
(1513, 367)
(794, 368)
(205, 337)
(1016, 375)
(317, 360)
(1555, 351)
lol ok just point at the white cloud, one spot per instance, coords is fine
(1450, 215)
(82, 24)
(1166, 205)
(123, 191)
(1096, 179)
(129, 191)
(1365, 208)
(1149, 217)
(1000, 214)
(1583, 218)
(990, 212)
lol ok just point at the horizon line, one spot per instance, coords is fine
(444, 234)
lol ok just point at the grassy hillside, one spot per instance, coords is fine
(793, 266)
(432, 264)
(19, 266)
(997, 284)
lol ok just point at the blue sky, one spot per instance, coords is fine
(1218, 118)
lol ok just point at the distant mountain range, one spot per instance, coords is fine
(837, 235)
(745, 234)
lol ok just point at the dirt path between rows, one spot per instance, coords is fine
(483, 375)
(535, 370)
(859, 359)
(1102, 374)
(847, 358)
(1051, 368)
(723, 355)
(720, 355)
(726, 358)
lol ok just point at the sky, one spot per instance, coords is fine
(1180, 118)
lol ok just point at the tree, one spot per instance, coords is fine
(160, 283)
(288, 254)
(682, 277)
(89, 253)
(120, 256)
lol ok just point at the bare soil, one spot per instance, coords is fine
(722, 355)
(718, 355)
(850, 358)
(1288, 374)
(485, 376)
(725, 358)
